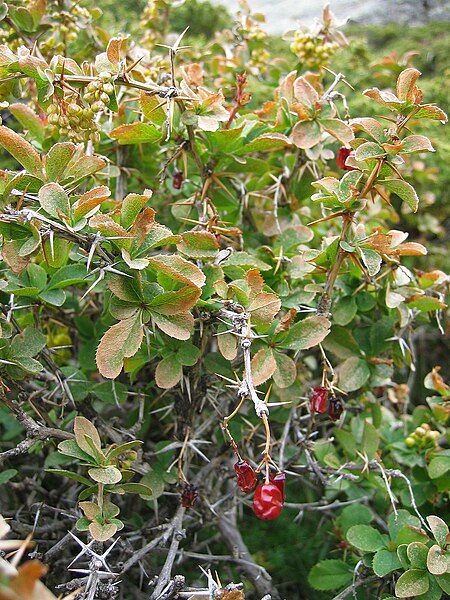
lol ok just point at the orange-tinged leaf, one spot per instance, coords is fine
(411, 249)
(255, 282)
(168, 372)
(22, 151)
(57, 159)
(90, 200)
(406, 84)
(172, 303)
(199, 245)
(28, 575)
(263, 365)
(286, 371)
(178, 326)
(83, 427)
(306, 134)
(121, 341)
(106, 225)
(136, 133)
(102, 533)
(178, 268)
(264, 307)
(132, 205)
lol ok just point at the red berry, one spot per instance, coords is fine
(342, 155)
(189, 495)
(279, 479)
(246, 476)
(177, 180)
(319, 400)
(267, 502)
(335, 409)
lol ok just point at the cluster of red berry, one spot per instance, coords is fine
(269, 496)
(321, 403)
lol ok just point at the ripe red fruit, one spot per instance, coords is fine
(335, 409)
(246, 476)
(189, 495)
(319, 400)
(342, 155)
(267, 502)
(279, 479)
(177, 180)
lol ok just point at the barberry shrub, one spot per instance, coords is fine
(209, 305)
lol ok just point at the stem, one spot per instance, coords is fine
(265, 420)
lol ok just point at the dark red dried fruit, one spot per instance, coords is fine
(246, 476)
(335, 408)
(267, 502)
(189, 495)
(319, 400)
(177, 180)
(279, 480)
(342, 155)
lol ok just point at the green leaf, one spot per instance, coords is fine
(345, 310)
(365, 538)
(412, 583)
(370, 440)
(117, 450)
(6, 475)
(83, 167)
(353, 374)
(397, 521)
(28, 343)
(330, 575)
(152, 108)
(439, 465)
(403, 190)
(29, 120)
(385, 562)
(246, 261)
(439, 529)
(54, 200)
(355, 514)
(71, 448)
(416, 143)
(136, 133)
(70, 475)
(426, 303)
(22, 151)
(153, 479)
(368, 151)
(265, 142)
(136, 488)
(417, 554)
(444, 582)
(306, 333)
(57, 160)
(371, 259)
(67, 275)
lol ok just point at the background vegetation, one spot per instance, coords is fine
(367, 491)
